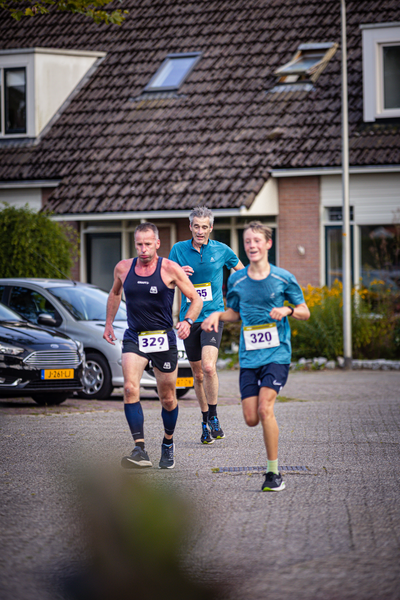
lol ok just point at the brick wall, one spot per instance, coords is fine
(298, 225)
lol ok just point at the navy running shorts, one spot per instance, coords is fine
(199, 338)
(164, 361)
(272, 376)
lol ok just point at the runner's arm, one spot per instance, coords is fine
(300, 312)
(181, 280)
(113, 302)
(239, 266)
(227, 316)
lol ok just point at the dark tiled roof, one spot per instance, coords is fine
(217, 139)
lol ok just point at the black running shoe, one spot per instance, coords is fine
(216, 431)
(167, 460)
(205, 436)
(137, 459)
(273, 483)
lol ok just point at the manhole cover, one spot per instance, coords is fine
(285, 469)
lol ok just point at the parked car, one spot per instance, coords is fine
(37, 362)
(79, 310)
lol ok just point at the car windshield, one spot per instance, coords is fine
(6, 314)
(86, 303)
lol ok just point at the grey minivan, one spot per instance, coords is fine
(79, 310)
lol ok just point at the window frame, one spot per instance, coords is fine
(374, 39)
(4, 103)
(323, 52)
(150, 88)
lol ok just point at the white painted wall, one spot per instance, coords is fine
(56, 76)
(375, 197)
(20, 197)
(51, 76)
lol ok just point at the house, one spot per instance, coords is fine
(229, 104)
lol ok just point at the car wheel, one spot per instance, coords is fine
(50, 399)
(182, 391)
(96, 378)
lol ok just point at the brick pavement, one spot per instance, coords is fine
(332, 534)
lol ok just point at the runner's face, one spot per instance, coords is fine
(146, 245)
(255, 245)
(201, 230)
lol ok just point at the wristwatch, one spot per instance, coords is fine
(189, 320)
(292, 309)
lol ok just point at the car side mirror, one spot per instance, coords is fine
(47, 320)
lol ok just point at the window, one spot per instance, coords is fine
(172, 73)
(103, 253)
(381, 71)
(30, 304)
(380, 254)
(334, 253)
(13, 100)
(390, 56)
(307, 64)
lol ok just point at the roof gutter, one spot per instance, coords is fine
(147, 215)
(367, 170)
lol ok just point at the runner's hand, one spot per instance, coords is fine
(279, 313)
(211, 323)
(188, 270)
(108, 334)
(183, 328)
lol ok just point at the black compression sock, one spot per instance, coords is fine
(205, 416)
(212, 410)
(140, 444)
(167, 442)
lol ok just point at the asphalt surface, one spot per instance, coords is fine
(334, 533)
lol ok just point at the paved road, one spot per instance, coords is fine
(333, 534)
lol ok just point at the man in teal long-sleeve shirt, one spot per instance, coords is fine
(203, 261)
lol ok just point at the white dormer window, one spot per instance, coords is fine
(34, 84)
(381, 71)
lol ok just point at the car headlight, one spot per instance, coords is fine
(10, 350)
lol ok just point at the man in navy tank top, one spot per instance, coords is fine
(257, 296)
(203, 260)
(149, 282)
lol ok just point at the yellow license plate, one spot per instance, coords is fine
(184, 382)
(57, 373)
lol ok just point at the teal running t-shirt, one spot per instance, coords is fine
(254, 300)
(208, 272)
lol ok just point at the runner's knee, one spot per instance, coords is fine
(209, 369)
(169, 401)
(266, 411)
(251, 419)
(131, 392)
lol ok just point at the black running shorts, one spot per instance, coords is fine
(199, 338)
(164, 361)
(272, 376)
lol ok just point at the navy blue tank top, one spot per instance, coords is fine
(148, 304)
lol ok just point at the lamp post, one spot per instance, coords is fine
(347, 342)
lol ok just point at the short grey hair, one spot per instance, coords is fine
(201, 212)
(147, 226)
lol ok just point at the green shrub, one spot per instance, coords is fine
(375, 324)
(32, 245)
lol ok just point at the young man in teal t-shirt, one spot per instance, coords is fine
(203, 261)
(256, 295)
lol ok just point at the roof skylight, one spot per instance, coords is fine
(173, 71)
(307, 64)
